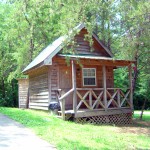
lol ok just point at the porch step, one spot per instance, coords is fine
(68, 114)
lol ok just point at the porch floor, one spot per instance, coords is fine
(96, 112)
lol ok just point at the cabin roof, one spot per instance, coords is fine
(51, 50)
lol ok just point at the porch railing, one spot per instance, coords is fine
(93, 98)
(119, 97)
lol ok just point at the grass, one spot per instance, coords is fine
(146, 116)
(71, 136)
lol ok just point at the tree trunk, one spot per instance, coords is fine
(14, 97)
(103, 26)
(3, 88)
(135, 72)
(143, 109)
(31, 42)
(109, 38)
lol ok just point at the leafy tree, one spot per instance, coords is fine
(8, 90)
(134, 43)
(28, 26)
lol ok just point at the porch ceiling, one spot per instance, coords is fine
(98, 60)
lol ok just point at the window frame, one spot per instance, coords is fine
(83, 77)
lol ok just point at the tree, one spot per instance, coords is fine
(134, 18)
(28, 26)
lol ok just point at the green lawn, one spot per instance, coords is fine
(71, 136)
(146, 116)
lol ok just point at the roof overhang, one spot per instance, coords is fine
(99, 60)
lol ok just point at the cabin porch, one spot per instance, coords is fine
(92, 108)
(98, 105)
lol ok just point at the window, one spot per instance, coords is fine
(89, 76)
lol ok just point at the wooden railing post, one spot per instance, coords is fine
(130, 85)
(63, 108)
(118, 98)
(74, 86)
(90, 98)
(62, 103)
(105, 88)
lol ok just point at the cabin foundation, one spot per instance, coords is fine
(117, 119)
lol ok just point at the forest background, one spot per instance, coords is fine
(28, 26)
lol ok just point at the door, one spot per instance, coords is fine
(65, 83)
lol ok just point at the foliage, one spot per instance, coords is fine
(134, 44)
(68, 135)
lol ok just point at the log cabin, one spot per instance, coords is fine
(84, 86)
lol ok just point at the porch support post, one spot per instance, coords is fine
(131, 85)
(63, 109)
(104, 87)
(74, 86)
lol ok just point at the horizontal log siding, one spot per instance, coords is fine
(83, 47)
(109, 77)
(23, 92)
(38, 86)
(109, 72)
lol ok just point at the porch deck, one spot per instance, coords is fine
(96, 112)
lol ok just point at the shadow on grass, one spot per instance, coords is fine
(135, 123)
(141, 123)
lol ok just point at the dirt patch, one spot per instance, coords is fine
(138, 127)
(145, 124)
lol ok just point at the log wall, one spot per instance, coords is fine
(38, 89)
(82, 45)
(109, 77)
(23, 92)
(99, 76)
(60, 62)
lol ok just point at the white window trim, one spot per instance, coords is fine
(89, 77)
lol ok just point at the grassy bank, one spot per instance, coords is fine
(68, 135)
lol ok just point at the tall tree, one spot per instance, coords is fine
(28, 26)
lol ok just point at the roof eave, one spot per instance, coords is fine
(107, 60)
(105, 48)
